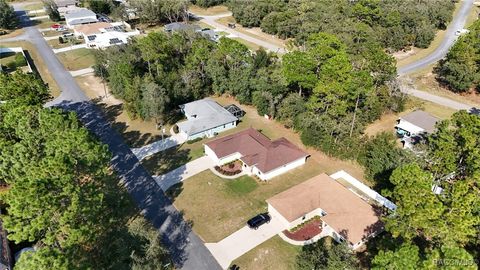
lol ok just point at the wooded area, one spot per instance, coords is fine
(61, 195)
(460, 70)
(394, 24)
(324, 92)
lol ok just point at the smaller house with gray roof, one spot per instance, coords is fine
(205, 118)
(415, 125)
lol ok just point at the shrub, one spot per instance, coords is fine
(175, 129)
(194, 140)
(20, 61)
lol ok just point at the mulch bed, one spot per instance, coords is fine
(232, 167)
(308, 231)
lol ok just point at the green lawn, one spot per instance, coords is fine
(252, 46)
(242, 185)
(272, 254)
(172, 158)
(35, 6)
(218, 207)
(77, 59)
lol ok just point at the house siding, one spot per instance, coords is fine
(211, 132)
(276, 172)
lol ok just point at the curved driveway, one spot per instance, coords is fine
(457, 23)
(187, 249)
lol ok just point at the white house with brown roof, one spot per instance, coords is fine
(260, 156)
(345, 216)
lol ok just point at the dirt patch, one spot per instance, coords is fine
(404, 53)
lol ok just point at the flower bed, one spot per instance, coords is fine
(305, 231)
(230, 169)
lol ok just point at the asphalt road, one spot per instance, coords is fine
(212, 20)
(187, 249)
(457, 23)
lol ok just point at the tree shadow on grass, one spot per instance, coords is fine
(133, 138)
(167, 160)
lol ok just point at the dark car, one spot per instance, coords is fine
(259, 220)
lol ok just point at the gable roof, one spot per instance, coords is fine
(209, 114)
(421, 119)
(176, 26)
(346, 213)
(257, 150)
(92, 28)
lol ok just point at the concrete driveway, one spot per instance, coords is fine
(243, 240)
(178, 175)
(158, 146)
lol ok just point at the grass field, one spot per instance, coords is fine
(252, 46)
(38, 64)
(272, 254)
(215, 10)
(35, 6)
(77, 59)
(219, 207)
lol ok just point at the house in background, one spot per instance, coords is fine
(65, 6)
(260, 156)
(205, 118)
(411, 128)
(183, 27)
(344, 215)
(80, 16)
(102, 34)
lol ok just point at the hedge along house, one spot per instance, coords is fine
(345, 216)
(260, 156)
(205, 118)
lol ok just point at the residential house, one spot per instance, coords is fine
(79, 17)
(260, 156)
(65, 6)
(183, 27)
(178, 27)
(205, 118)
(411, 128)
(344, 215)
(100, 35)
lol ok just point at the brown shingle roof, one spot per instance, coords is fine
(256, 149)
(347, 214)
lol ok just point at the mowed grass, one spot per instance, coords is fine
(272, 254)
(172, 158)
(38, 64)
(215, 10)
(252, 46)
(77, 59)
(218, 207)
(242, 185)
